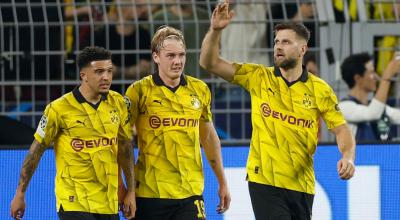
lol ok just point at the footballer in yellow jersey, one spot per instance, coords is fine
(90, 130)
(286, 105)
(85, 145)
(169, 164)
(285, 120)
(172, 116)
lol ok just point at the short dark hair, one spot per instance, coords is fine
(89, 54)
(354, 65)
(301, 30)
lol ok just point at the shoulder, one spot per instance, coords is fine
(253, 67)
(62, 102)
(114, 95)
(196, 83)
(320, 84)
(140, 85)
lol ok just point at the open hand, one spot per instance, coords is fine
(221, 16)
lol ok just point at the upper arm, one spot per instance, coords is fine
(48, 127)
(223, 68)
(354, 112)
(208, 134)
(339, 129)
(125, 129)
(132, 94)
(330, 111)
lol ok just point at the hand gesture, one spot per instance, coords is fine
(393, 67)
(18, 206)
(129, 206)
(221, 16)
(224, 199)
(345, 168)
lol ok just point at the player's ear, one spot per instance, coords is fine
(83, 76)
(304, 49)
(156, 58)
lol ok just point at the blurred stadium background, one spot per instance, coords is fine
(40, 39)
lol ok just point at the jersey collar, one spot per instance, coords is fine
(79, 97)
(158, 81)
(303, 77)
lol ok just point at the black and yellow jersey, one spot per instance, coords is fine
(85, 138)
(285, 119)
(169, 163)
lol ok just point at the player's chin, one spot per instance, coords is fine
(104, 91)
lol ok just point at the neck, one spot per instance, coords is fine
(292, 74)
(89, 95)
(359, 94)
(169, 81)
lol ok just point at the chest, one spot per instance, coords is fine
(87, 121)
(162, 101)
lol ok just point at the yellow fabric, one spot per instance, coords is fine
(352, 8)
(387, 43)
(169, 163)
(85, 146)
(385, 54)
(285, 126)
(68, 29)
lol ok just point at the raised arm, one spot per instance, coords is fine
(212, 148)
(209, 57)
(347, 147)
(392, 69)
(126, 162)
(28, 168)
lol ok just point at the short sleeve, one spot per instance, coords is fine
(246, 75)
(48, 127)
(330, 110)
(132, 96)
(206, 114)
(125, 129)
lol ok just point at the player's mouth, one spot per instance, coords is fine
(105, 86)
(177, 69)
(280, 55)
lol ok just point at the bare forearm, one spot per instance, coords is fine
(30, 164)
(346, 143)
(214, 158)
(126, 162)
(210, 49)
(383, 90)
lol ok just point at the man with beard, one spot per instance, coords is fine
(287, 103)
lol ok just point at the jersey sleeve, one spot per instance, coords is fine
(330, 110)
(246, 75)
(125, 129)
(48, 127)
(132, 95)
(206, 114)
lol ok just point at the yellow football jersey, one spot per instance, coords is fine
(285, 119)
(85, 138)
(169, 163)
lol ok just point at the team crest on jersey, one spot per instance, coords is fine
(127, 102)
(42, 126)
(195, 102)
(114, 116)
(307, 100)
